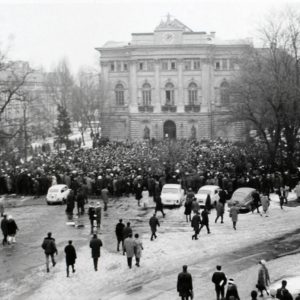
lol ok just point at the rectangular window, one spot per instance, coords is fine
(173, 65)
(112, 67)
(119, 66)
(150, 65)
(187, 64)
(125, 67)
(224, 64)
(218, 65)
(197, 64)
(120, 97)
(164, 65)
(231, 64)
(141, 66)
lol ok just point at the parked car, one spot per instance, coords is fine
(292, 285)
(212, 190)
(243, 198)
(57, 194)
(172, 195)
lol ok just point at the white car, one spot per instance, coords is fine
(57, 193)
(212, 190)
(172, 195)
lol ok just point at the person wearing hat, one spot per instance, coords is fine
(232, 291)
(263, 280)
(185, 284)
(220, 280)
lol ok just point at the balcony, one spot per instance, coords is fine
(146, 108)
(169, 108)
(192, 108)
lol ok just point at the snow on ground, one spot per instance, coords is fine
(163, 258)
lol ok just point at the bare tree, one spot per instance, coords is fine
(266, 90)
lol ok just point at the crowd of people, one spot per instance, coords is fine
(119, 166)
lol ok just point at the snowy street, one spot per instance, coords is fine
(237, 251)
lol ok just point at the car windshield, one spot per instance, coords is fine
(53, 191)
(239, 196)
(170, 190)
(204, 192)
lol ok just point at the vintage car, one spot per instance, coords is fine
(172, 195)
(243, 199)
(212, 190)
(293, 286)
(57, 193)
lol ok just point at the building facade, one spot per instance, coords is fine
(173, 83)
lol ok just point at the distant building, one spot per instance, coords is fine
(172, 82)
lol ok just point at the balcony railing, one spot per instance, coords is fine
(169, 108)
(192, 108)
(145, 108)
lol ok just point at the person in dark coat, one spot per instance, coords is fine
(80, 198)
(255, 202)
(220, 211)
(283, 293)
(208, 204)
(70, 205)
(95, 245)
(153, 222)
(185, 284)
(126, 231)
(138, 191)
(4, 229)
(119, 233)
(232, 292)
(253, 295)
(92, 215)
(222, 196)
(50, 249)
(196, 221)
(70, 257)
(12, 229)
(205, 220)
(220, 280)
(159, 206)
(188, 209)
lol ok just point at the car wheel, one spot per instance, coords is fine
(48, 202)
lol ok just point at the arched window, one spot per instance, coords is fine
(193, 93)
(119, 90)
(169, 88)
(224, 93)
(146, 94)
(193, 133)
(146, 133)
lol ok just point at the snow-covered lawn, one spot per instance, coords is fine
(163, 258)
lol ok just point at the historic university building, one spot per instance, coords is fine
(173, 82)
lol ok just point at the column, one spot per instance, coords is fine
(180, 100)
(133, 106)
(157, 102)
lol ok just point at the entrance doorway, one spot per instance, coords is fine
(170, 130)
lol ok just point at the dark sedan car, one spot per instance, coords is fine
(243, 198)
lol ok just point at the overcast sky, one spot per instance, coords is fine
(42, 32)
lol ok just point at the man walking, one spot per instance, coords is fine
(205, 220)
(129, 247)
(263, 280)
(95, 245)
(119, 233)
(12, 229)
(70, 257)
(233, 213)
(4, 229)
(92, 213)
(153, 222)
(196, 221)
(220, 280)
(185, 284)
(104, 195)
(126, 231)
(50, 249)
(138, 249)
(220, 211)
